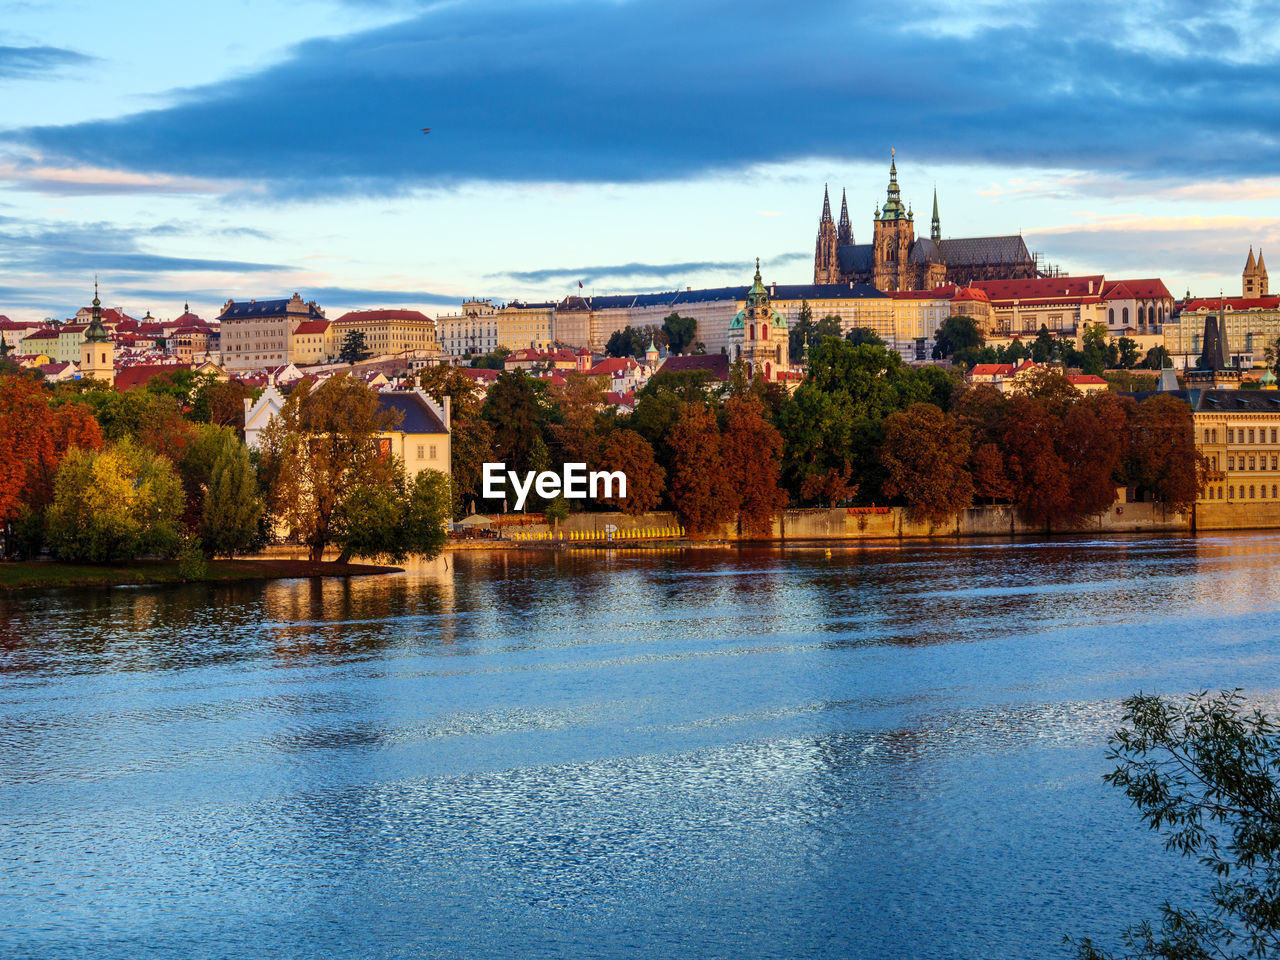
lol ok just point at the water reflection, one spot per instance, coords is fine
(601, 753)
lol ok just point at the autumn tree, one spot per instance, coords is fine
(580, 400)
(1162, 451)
(751, 448)
(322, 446)
(700, 489)
(926, 458)
(981, 410)
(470, 435)
(220, 402)
(1036, 474)
(627, 451)
(1092, 444)
(115, 504)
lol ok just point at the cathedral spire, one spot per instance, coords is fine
(893, 209)
(96, 332)
(1250, 264)
(826, 207)
(935, 228)
(846, 225)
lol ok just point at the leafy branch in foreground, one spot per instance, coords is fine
(1203, 774)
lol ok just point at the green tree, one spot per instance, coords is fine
(864, 335)
(114, 504)
(1202, 773)
(232, 512)
(680, 331)
(1128, 352)
(515, 412)
(353, 347)
(801, 332)
(470, 436)
(1157, 358)
(1044, 348)
(395, 520)
(957, 335)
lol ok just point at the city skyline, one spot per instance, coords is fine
(255, 151)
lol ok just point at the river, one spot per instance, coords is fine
(891, 752)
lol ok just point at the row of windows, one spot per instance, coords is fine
(1242, 435)
(1246, 493)
(1262, 463)
(1124, 315)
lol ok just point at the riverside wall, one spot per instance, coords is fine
(876, 523)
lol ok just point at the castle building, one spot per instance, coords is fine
(758, 334)
(1246, 324)
(898, 260)
(97, 352)
(1253, 281)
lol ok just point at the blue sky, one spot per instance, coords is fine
(253, 149)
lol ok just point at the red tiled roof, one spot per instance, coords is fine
(613, 365)
(479, 373)
(1078, 378)
(312, 326)
(1211, 304)
(127, 378)
(1149, 289)
(717, 364)
(971, 293)
(48, 333)
(1043, 288)
(365, 316)
(991, 369)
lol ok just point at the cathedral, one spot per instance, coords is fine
(896, 260)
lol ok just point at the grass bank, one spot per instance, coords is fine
(43, 574)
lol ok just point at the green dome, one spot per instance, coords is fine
(1269, 378)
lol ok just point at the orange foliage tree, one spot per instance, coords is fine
(631, 453)
(751, 448)
(926, 456)
(700, 489)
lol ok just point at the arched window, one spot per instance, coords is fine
(768, 371)
(764, 331)
(1151, 314)
(779, 353)
(1124, 316)
(1111, 316)
(751, 331)
(1161, 314)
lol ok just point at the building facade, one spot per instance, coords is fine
(386, 332)
(758, 334)
(481, 326)
(256, 334)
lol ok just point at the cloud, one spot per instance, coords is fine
(658, 271)
(356, 297)
(20, 63)
(51, 180)
(87, 248)
(1189, 247)
(602, 91)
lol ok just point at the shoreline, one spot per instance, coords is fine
(48, 574)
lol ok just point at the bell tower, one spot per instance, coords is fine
(97, 352)
(894, 234)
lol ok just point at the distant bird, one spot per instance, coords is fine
(426, 129)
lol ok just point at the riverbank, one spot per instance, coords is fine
(45, 574)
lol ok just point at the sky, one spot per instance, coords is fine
(198, 153)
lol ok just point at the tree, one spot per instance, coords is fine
(864, 335)
(515, 413)
(1044, 348)
(751, 448)
(631, 453)
(926, 457)
(494, 360)
(232, 510)
(680, 332)
(801, 332)
(470, 436)
(1036, 474)
(1129, 352)
(114, 505)
(957, 334)
(1203, 774)
(579, 401)
(353, 347)
(395, 520)
(829, 326)
(1162, 451)
(319, 450)
(1092, 443)
(221, 402)
(634, 341)
(700, 489)
(1157, 358)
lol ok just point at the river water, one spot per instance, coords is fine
(889, 752)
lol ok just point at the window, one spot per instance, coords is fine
(1250, 492)
(1206, 435)
(1251, 434)
(433, 451)
(1231, 436)
(1273, 434)
(1231, 463)
(421, 451)
(1251, 466)
(1231, 493)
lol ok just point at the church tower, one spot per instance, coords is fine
(844, 234)
(935, 227)
(97, 352)
(758, 335)
(826, 260)
(895, 232)
(1254, 279)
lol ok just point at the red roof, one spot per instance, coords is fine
(480, 373)
(613, 366)
(365, 316)
(312, 326)
(991, 369)
(1211, 304)
(127, 378)
(1078, 378)
(621, 399)
(1044, 288)
(717, 364)
(971, 293)
(1152, 289)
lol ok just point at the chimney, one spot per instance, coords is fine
(773, 289)
(1090, 286)
(448, 412)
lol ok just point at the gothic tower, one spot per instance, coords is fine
(935, 228)
(844, 235)
(1253, 282)
(895, 232)
(97, 352)
(826, 261)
